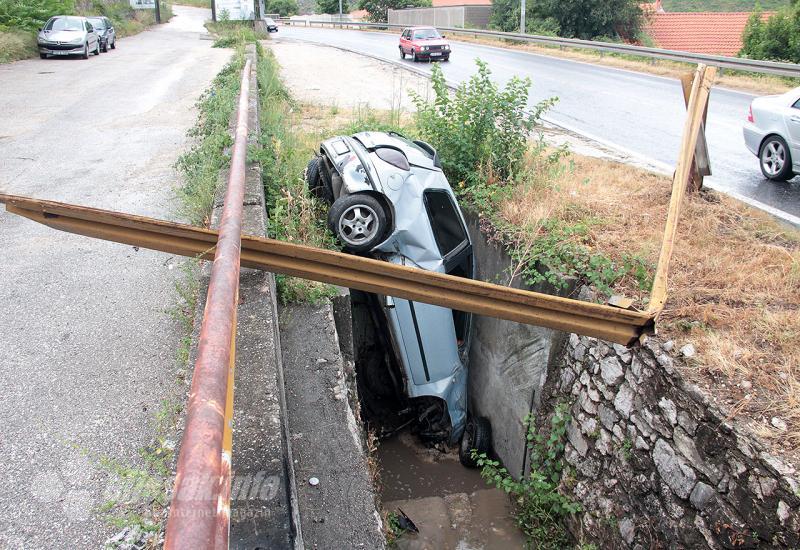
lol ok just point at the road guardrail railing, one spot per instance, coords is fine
(738, 63)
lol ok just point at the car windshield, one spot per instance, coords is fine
(269, 21)
(98, 24)
(426, 34)
(65, 24)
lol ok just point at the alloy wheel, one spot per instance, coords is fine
(358, 224)
(773, 158)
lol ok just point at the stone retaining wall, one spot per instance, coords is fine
(652, 462)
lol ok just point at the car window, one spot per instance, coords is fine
(64, 24)
(97, 23)
(796, 104)
(445, 222)
(425, 34)
(89, 27)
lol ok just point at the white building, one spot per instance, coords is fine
(235, 10)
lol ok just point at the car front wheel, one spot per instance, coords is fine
(114, 44)
(775, 159)
(402, 53)
(414, 56)
(85, 53)
(358, 221)
(478, 436)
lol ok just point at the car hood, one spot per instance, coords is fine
(63, 36)
(431, 42)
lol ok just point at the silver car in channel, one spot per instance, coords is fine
(772, 133)
(65, 35)
(390, 199)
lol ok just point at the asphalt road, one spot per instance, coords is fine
(88, 350)
(634, 111)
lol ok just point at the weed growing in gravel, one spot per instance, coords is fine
(540, 509)
(201, 165)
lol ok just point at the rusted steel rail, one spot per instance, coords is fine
(200, 511)
(606, 322)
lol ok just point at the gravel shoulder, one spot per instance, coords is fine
(90, 349)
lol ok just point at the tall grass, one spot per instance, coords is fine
(201, 165)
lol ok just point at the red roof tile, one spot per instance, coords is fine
(717, 33)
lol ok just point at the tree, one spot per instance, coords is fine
(284, 8)
(585, 19)
(777, 38)
(377, 10)
(332, 6)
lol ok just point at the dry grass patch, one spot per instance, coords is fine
(734, 286)
(16, 45)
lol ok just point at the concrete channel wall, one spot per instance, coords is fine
(652, 462)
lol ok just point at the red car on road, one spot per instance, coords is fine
(424, 43)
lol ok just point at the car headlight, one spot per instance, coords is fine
(424, 48)
(78, 40)
(446, 47)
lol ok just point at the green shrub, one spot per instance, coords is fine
(481, 132)
(15, 45)
(539, 507)
(30, 15)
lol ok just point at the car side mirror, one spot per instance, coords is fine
(444, 36)
(388, 302)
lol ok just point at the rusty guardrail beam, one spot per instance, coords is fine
(601, 321)
(199, 515)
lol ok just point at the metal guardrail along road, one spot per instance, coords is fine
(738, 63)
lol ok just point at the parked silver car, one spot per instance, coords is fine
(389, 198)
(105, 31)
(68, 35)
(772, 132)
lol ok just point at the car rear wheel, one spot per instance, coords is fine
(358, 221)
(478, 436)
(318, 184)
(85, 53)
(775, 159)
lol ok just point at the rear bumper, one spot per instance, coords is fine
(753, 137)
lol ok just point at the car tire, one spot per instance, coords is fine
(97, 49)
(43, 55)
(358, 221)
(114, 44)
(85, 54)
(477, 435)
(104, 49)
(318, 184)
(402, 53)
(414, 56)
(775, 159)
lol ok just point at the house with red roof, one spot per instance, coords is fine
(716, 33)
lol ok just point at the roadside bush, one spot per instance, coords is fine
(539, 508)
(16, 45)
(777, 38)
(30, 15)
(482, 131)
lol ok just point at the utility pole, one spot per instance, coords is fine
(340, 13)
(214, 10)
(158, 11)
(522, 16)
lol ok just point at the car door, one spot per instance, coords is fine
(791, 118)
(404, 47)
(91, 36)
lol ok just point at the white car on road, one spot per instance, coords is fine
(772, 133)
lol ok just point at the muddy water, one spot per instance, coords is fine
(409, 470)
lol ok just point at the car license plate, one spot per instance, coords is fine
(60, 52)
(436, 53)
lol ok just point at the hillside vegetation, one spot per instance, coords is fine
(722, 5)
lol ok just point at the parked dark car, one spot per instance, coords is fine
(272, 26)
(389, 198)
(64, 35)
(105, 31)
